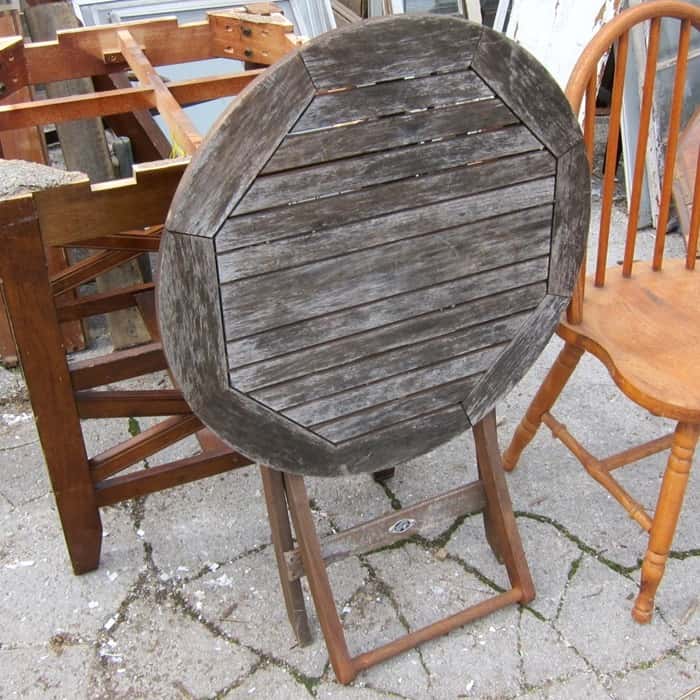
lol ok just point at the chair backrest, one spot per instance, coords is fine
(636, 32)
(373, 245)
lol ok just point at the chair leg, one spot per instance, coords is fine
(663, 527)
(273, 486)
(547, 394)
(317, 576)
(499, 521)
(32, 312)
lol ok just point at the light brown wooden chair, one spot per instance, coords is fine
(641, 318)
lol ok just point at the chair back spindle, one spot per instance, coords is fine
(582, 90)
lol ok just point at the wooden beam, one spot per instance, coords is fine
(102, 303)
(164, 476)
(143, 445)
(75, 212)
(394, 527)
(117, 366)
(182, 130)
(124, 404)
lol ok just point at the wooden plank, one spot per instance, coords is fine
(434, 512)
(368, 275)
(251, 38)
(255, 124)
(515, 76)
(116, 366)
(121, 100)
(572, 209)
(360, 398)
(390, 98)
(515, 361)
(391, 48)
(386, 366)
(182, 471)
(298, 150)
(407, 224)
(266, 226)
(182, 131)
(384, 415)
(94, 304)
(318, 358)
(145, 241)
(130, 403)
(143, 445)
(80, 53)
(88, 268)
(374, 168)
(345, 327)
(77, 212)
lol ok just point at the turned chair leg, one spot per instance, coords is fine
(547, 394)
(663, 526)
(280, 527)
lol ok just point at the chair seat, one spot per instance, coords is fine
(646, 330)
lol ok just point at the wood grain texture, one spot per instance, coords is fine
(528, 89)
(571, 218)
(354, 138)
(511, 366)
(387, 365)
(251, 127)
(374, 168)
(389, 98)
(355, 323)
(287, 221)
(385, 49)
(395, 268)
(498, 206)
(318, 357)
(388, 262)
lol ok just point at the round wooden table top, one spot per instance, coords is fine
(373, 244)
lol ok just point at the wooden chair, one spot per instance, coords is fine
(640, 319)
(368, 251)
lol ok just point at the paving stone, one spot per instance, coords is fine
(371, 621)
(212, 520)
(269, 683)
(356, 691)
(678, 596)
(238, 597)
(39, 594)
(24, 476)
(545, 655)
(158, 652)
(595, 618)
(58, 671)
(584, 685)
(669, 678)
(482, 655)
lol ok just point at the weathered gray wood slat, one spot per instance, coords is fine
(528, 89)
(367, 275)
(512, 364)
(396, 335)
(394, 97)
(374, 168)
(306, 149)
(393, 412)
(389, 364)
(429, 514)
(385, 50)
(406, 224)
(571, 219)
(284, 222)
(354, 323)
(361, 398)
(252, 128)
